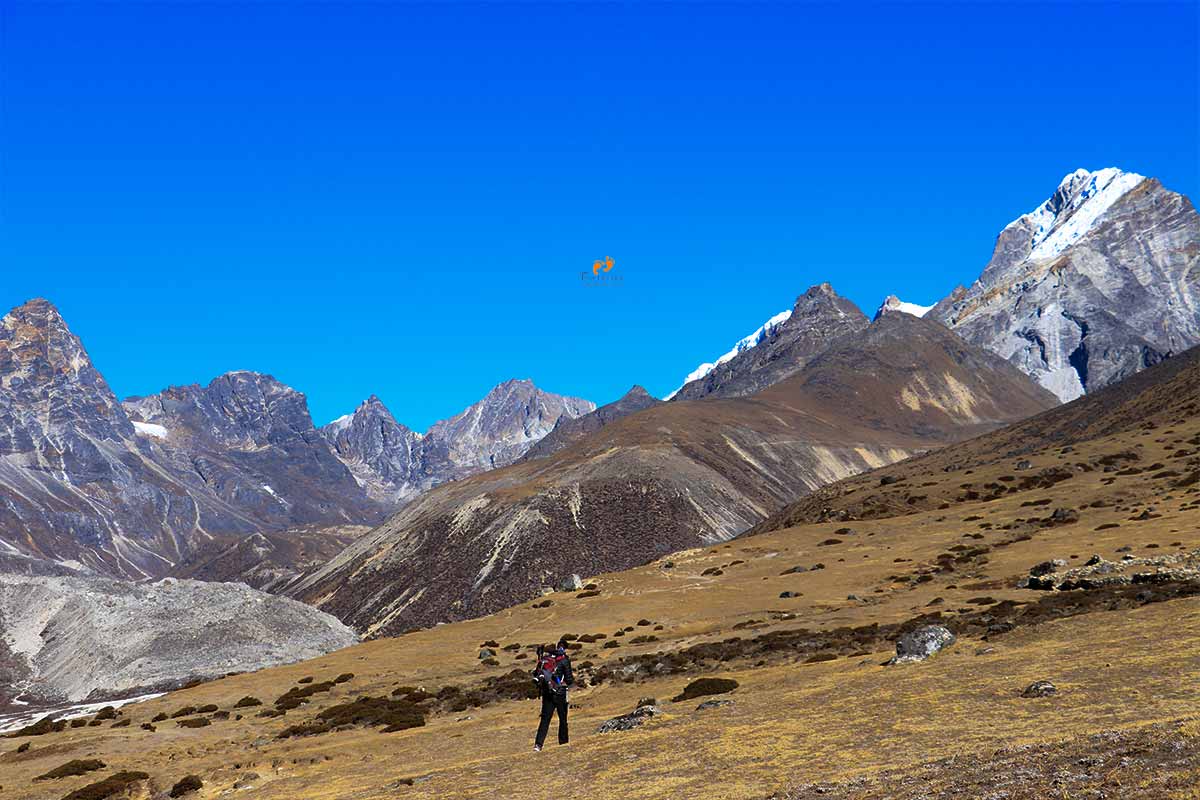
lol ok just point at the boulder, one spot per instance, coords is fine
(627, 722)
(486, 652)
(707, 704)
(571, 583)
(920, 644)
(1040, 689)
(1049, 567)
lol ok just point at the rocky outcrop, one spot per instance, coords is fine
(78, 638)
(1100, 281)
(91, 484)
(922, 643)
(673, 476)
(569, 430)
(779, 349)
(394, 464)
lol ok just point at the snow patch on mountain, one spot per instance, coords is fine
(893, 303)
(150, 429)
(1082, 198)
(743, 344)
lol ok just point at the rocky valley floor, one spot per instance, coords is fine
(803, 618)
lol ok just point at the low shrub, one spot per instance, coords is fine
(42, 727)
(79, 766)
(186, 711)
(207, 709)
(344, 677)
(118, 783)
(297, 696)
(247, 702)
(194, 722)
(121, 723)
(160, 717)
(306, 679)
(394, 715)
(186, 784)
(704, 687)
(106, 713)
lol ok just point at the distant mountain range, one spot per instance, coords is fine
(394, 463)
(133, 489)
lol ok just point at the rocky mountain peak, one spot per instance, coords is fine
(35, 336)
(1096, 283)
(504, 424)
(782, 346)
(51, 390)
(242, 409)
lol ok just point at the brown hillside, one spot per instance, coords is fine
(668, 478)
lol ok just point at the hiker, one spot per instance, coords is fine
(553, 675)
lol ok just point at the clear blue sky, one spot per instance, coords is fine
(400, 199)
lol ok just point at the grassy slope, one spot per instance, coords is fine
(791, 723)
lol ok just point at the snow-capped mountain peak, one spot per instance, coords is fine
(1080, 199)
(742, 345)
(893, 303)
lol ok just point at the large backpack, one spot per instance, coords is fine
(549, 672)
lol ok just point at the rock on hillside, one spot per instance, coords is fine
(780, 348)
(394, 463)
(572, 429)
(73, 638)
(1100, 281)
(673, 476)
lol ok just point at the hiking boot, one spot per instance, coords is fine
(537, 748)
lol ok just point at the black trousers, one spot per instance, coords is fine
(552, 702)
